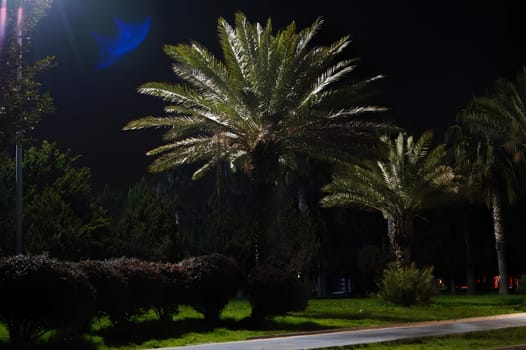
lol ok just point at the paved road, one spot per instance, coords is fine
(349, 337)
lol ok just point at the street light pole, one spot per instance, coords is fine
(18, 161)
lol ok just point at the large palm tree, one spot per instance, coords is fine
(271, 97)
(400, 185)
(494, 146)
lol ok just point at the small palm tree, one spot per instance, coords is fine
(271, 98)
(493, 151)
(402, 184)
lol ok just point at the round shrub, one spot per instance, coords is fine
(111, 286)
(174, 291)
(275, 292)
(145, 284)
(212, 281)
(407, 285)
(38, 294)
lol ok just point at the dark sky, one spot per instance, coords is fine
(435, 55)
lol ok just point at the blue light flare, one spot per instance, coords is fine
(128, 38)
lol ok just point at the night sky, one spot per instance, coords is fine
(435, 55)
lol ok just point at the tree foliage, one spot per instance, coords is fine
(297, 240)
(61, 216)
(146, 227)
(21, 100)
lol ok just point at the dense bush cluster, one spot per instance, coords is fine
(174, 290)
(145, 284)
(275, 292)
(111, 286)
(38, 294)
(407, 285)
(213, 280)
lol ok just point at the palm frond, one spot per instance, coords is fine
(400, 183)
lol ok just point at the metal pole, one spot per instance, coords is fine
(19, 200)
(19, 188)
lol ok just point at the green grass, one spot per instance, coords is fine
(497, 339)
(188, 327)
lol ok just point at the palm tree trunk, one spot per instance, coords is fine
(470, 275)
(265, 174)
(498, 231)
(220, 183)
(266, 194)
(399, 230)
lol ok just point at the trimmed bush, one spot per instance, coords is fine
(275, 292)
(145, 284)
(174, 291)
(111, 286)
(212, 281)
(408, 285)
(38, 294)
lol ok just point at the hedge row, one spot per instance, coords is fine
(38, 293)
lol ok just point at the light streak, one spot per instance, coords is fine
(3, 23)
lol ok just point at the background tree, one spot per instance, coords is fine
(273, 96)
(494, 152)
(61, 216)
(297, 241)
(21, 100)
(146, 227)
(399, 185)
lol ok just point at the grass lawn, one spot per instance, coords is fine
(480, 340)
(188, 327)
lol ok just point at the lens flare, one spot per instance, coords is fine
(129, 36)
(19, 22)
(3, 22)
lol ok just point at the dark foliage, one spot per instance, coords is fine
(61, 216)
(275, 292)
(145, 226)
(111, 287)
(212, 280)
(145, 285)
(38, 294)
(174, 290)
(23, 100)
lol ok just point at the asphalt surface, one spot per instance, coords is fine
(363, 336)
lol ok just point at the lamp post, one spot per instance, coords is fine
(18, 161)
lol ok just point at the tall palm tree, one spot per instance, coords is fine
(494, 147)
(402, 184)
(271, 97)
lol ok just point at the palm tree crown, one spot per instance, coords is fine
(271, 96)
(494, 136)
